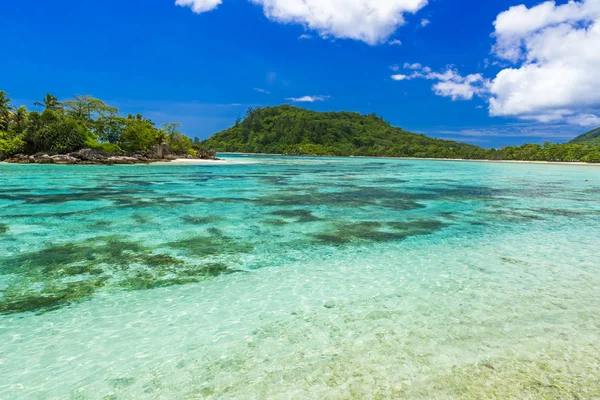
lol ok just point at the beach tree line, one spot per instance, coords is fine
(82, 122)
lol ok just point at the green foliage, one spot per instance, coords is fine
(138, 135)
(4, 110)
(180, 143)
(293, 130)
(11, 144)
(81, 122)
(109, 148)
(109, 128)
(87, 107)
(591, 137)
(59, 134)
(50, 103)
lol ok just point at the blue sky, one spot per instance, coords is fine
(468, 70)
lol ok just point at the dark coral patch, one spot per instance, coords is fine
(377, 232)
(52, 297)
(197, 220)
(419, 227)
(202, 246)
(275, 222)
(359, 197)
(349, 232)
(298, 215)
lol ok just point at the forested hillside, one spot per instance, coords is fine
(296, 131)
(591, 137)
(292, 130)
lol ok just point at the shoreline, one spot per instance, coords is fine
(580, 163)
(197, 161)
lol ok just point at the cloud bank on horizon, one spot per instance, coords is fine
(548, 54)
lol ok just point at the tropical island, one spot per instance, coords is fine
(296, 131)
(85, 130)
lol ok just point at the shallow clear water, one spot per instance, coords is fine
(300, 278)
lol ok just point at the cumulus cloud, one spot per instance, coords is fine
(555, 54)
(307, 99)
(450, 82)
(425, 22)
(395, 42)
(199, 6)
(413, 66)
(371, 21)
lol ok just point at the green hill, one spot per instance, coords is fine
(292, 130)
(591, 137)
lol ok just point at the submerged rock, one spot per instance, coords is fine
(329, 304)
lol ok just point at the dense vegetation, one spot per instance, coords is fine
(292, 130)
(81, 122)
(591, 137)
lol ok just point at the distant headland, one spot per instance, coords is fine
(292, 130)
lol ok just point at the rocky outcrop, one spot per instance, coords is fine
(161, 153)
(89, 155)
(206, 154)
(2, 156)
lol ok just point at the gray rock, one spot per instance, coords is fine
(89, 155)
(44, 159)
(64, 159)
(161, 151)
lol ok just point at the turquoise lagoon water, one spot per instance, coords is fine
(300, 278)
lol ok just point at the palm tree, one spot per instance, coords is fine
(50, 102)
(19, 117)
(4, 110)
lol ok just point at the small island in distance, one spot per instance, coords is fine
(85, 130)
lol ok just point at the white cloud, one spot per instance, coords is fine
(455, 90)
(395, 67)
(371, 21)
(412, 66)
(556, 62)
(450, 82)
(307, 99)
(425, 22)
(305, 36)
(589, 120)
(199, 6)
(262, 90)
(395, 42)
